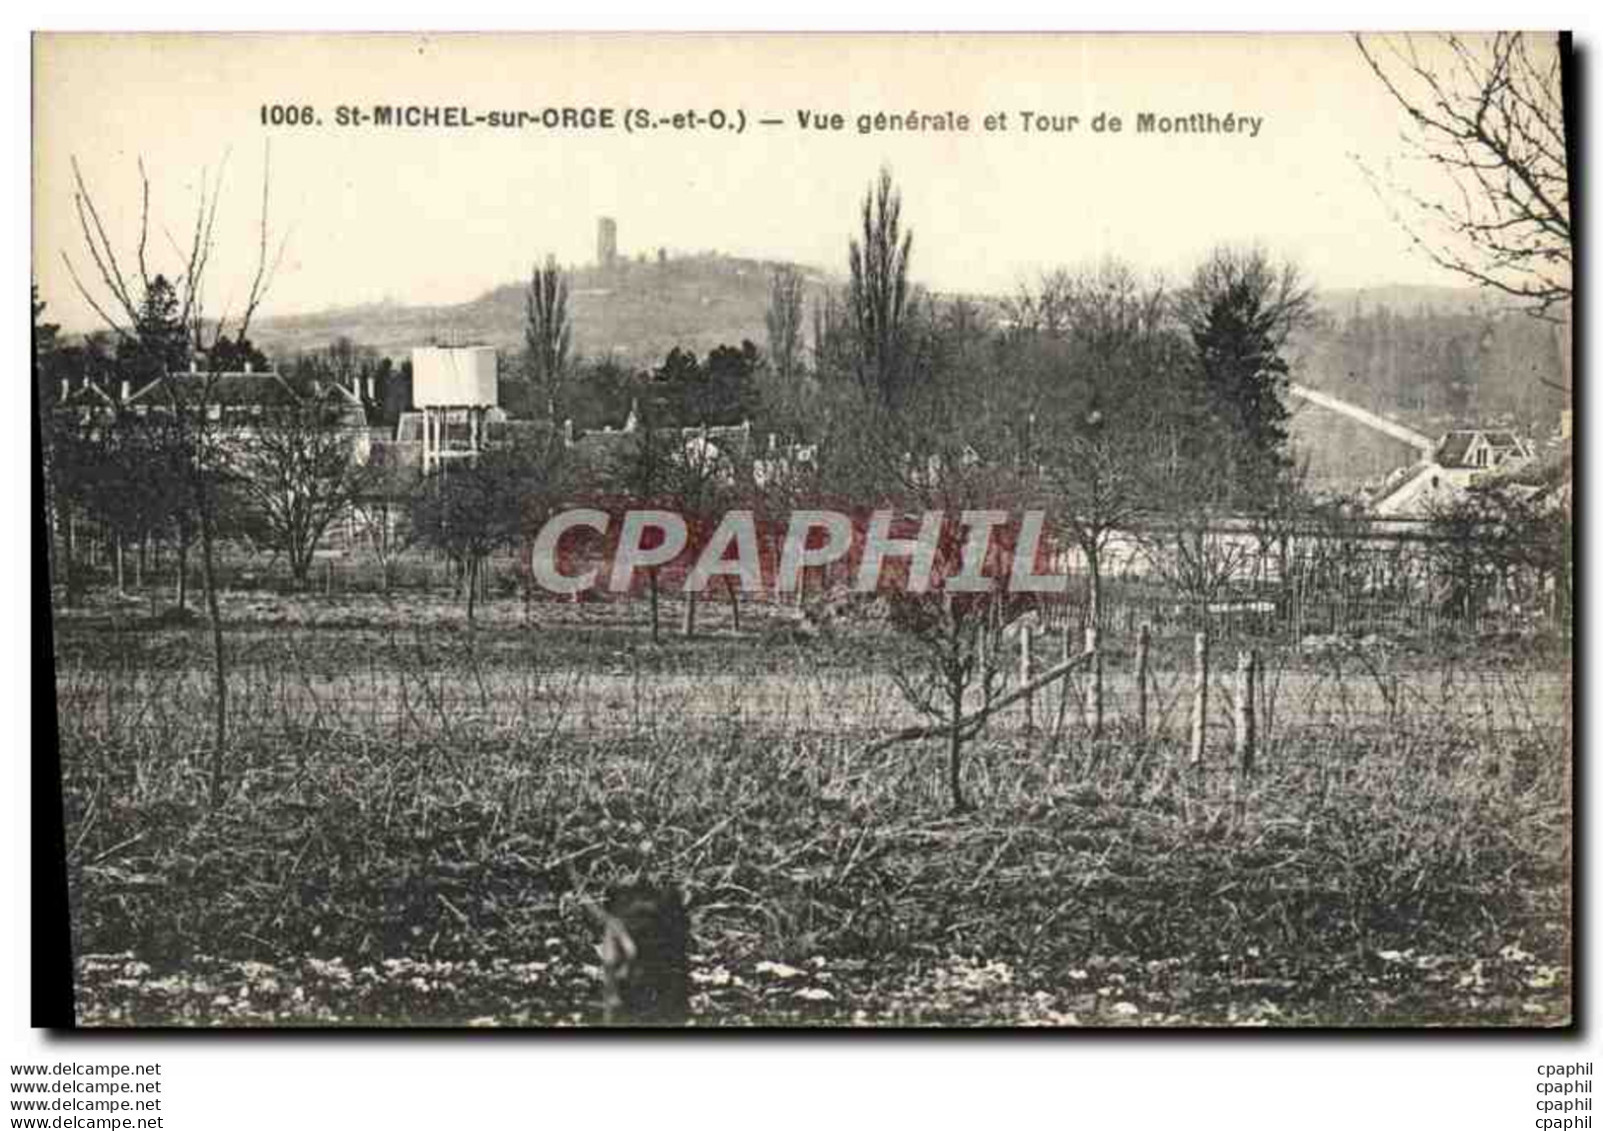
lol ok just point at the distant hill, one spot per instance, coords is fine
(636, 311)
(640, 309)
(1343, 302)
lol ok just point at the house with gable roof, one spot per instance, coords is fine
(1460, 459)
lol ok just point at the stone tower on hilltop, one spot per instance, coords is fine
(606, 243)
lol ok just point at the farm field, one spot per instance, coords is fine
(415, 808)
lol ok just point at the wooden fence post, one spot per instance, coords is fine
(1143, 645)
(1025, 672)
(1063, 687)
(1296, 613)
(1199, 699)
(1246, 730)
(1093, 684)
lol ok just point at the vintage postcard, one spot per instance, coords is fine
(857, 531)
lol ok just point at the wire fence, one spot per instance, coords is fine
(581, 672)
(1383, 591)
(1346, 637)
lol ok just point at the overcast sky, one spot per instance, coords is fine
(440, 215)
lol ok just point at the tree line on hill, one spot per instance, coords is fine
(1441, 369)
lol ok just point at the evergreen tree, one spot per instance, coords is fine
(783, 320)
(45, 343)
(159, 343)
(1241, 310)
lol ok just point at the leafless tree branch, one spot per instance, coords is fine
(1486, 115)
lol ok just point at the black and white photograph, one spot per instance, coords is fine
(869, 532)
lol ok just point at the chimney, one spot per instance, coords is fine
(194, 365)
(124, 397)
(567, 432)
(247, 365)
(772, 439)
(64, 384)
(368, 383)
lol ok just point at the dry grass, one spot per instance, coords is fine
(417, 795)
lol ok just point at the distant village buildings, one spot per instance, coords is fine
(1446, 467)
(239, 402)
(1462, 459)
(454, 415)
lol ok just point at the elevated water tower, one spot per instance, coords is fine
(454, 387)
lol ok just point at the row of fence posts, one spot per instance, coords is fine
(1248, 667)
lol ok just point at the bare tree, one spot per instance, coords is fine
(1499, 542)
(378, 518)
(1191, 543)
(548, 331)
(159, 325)
(784, 321)
(468, 510)
(125, 292)
(958, 638)
(1485, 114)
(96, 475)
(1280, 301)
(1042, 309)
(299, 471)
(1274, 516)
(940, 455)
(833, 349)
(879, 294)
(345, 363)
(698, 480)
(641, 471)
(1099, 350)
